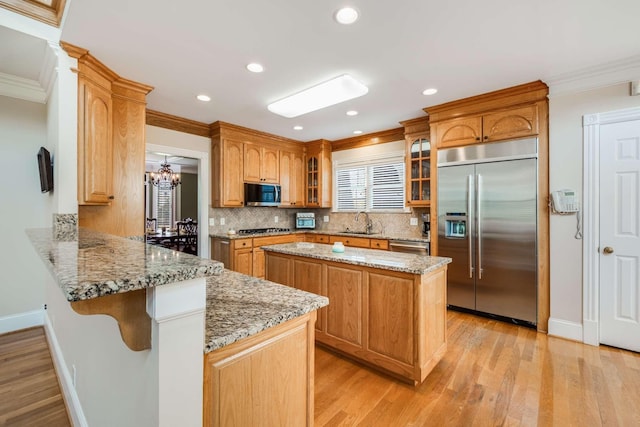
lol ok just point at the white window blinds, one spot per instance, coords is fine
(372, 187)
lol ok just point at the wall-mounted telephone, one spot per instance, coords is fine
(564, 201)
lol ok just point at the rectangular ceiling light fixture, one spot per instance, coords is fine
(331, 92)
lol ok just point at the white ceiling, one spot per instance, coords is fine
(398, 49)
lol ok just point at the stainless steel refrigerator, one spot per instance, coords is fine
(487, 223)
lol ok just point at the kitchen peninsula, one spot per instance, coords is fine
(172, 309)
(388, 309)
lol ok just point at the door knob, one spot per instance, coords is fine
(608, 250)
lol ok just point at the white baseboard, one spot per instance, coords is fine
(15, 322)
(565, 329)
(64, 376)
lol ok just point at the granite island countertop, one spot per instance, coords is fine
(394, 261)
(95, 264)
(239, 306)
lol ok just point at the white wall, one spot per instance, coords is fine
(171, 138)
(565, 164)
(114, 386)
(22, 133)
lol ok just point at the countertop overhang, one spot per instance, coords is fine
(95, 264)
(394, 261)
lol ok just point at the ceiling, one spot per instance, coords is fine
(397, 49)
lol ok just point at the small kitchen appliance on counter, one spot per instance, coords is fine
(305, 220)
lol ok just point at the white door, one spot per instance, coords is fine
(620, 234)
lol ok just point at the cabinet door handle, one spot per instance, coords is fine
(477, 138)
(486, 137)
(111, 197)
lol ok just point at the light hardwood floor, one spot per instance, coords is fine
(493, 374)
(29, 390)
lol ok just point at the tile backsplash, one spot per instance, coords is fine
(390, 224)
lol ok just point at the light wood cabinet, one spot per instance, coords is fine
(391, 320)
(227, 160)
(308, 276)
(261, 164)
(95, 143)
(258, 254)
(420, 168)
(319, 173)
(345, 289)
(490, 127)
(381, 244)
(265, 379)
(244, 254)
(356, 242)
(292, 179)
(111, 147)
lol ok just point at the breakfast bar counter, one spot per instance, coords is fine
(172, 309)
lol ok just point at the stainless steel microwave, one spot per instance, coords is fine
(261, 194)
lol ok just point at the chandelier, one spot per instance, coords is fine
(165, 175)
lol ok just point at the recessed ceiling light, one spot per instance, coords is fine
(334, 91)
(346, 15)
(352, 113)
(255, 67)
(430, 91)
(298, 127)
(203, 98)
(357, 132)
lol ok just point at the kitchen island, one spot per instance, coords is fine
(166, 310)
(388, 309)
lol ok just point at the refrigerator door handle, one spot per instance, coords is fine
(470, 249)
(479, 220)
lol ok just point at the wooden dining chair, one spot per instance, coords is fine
(152, 224)
(188, 236)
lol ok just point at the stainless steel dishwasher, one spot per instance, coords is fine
(409, 246)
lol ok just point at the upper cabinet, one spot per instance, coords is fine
(319, 174)
(497, 116)
(420, 163)
(240, 155)
(292, 179)
(111, 147)
(226, 164)
(496, 126)
(95, 144)
(261, 164)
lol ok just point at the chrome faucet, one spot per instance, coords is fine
(369, 223)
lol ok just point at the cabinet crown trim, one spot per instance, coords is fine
(504, 98)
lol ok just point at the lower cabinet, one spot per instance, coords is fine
(244, 254)
(265, 379)
(390, 320)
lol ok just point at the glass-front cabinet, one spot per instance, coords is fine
(419, 171)
(312, 180)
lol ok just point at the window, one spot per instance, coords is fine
(370, 185)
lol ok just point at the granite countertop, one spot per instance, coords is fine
(239, 306)
(313, 231)
(94, 264)
(395, 261)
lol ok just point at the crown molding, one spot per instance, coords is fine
(611, 73)
(382, 137)
(49, 68)
(21, 88)
(40, 11)
(180, 124)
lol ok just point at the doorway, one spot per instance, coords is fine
(611, 289)
(194, 167)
